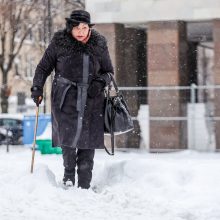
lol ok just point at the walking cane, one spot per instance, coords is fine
(35, 134)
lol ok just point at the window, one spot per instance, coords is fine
(8, 122)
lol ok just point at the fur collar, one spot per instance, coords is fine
(65, 41)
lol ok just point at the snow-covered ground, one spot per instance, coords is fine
(130, 185)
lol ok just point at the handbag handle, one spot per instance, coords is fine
(111, 128)
(114, 83)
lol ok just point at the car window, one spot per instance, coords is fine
(9, 122)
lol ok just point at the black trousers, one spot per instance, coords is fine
(84, 159)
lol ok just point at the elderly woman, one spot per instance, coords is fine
(82, 65)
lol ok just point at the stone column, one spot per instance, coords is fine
(112, 33)
(216, 39)
(167, 66)
(133, 73)
(127, 48)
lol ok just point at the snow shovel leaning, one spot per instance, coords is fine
(35, 134)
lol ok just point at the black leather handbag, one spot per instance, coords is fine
(117, 119)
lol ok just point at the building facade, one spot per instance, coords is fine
(178, 42)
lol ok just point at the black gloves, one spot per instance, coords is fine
(37, 94)
(96, 87)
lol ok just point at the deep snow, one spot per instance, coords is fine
(130, 185)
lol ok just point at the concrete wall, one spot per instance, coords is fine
(130, 11)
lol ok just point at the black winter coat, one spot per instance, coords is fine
(65, 55)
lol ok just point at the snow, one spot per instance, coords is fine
(131, 185)
(201, 134)
(143, 119)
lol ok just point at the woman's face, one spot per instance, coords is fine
(81, 31)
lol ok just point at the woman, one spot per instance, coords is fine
(82, 65)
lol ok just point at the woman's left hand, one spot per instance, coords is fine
(96, 87)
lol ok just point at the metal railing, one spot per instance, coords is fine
(191, 98)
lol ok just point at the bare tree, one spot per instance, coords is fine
(76, 4)
(15, 25)
(17, 19)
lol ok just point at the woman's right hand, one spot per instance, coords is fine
(37, 94)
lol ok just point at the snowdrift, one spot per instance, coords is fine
(135, 185)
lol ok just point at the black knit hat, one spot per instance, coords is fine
(79, 16)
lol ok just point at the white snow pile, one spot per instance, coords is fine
(132, 185)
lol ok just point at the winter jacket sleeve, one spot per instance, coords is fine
(45, 66)
(106, 65)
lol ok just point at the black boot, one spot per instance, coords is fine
(84, 167)
(69, 179)
(69, 162)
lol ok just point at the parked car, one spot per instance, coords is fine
(11, 129)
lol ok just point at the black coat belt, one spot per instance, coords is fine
(69, 83)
